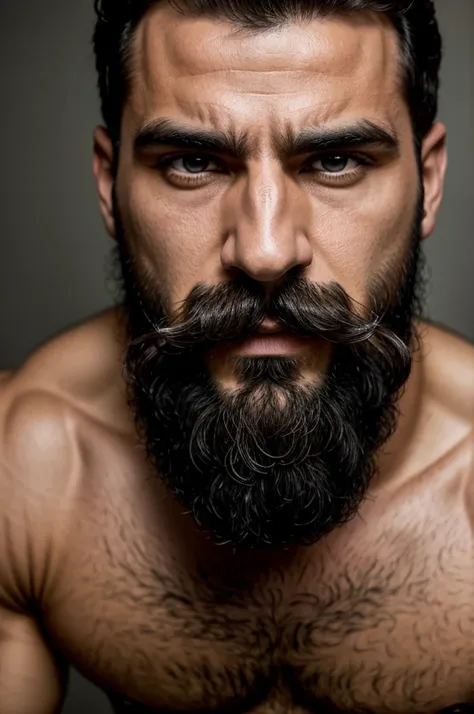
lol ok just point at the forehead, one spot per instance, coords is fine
(211, 72)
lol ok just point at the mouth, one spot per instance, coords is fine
(271, 339)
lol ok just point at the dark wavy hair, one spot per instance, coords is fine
(414, 20)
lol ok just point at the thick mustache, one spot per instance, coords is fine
(234, 310)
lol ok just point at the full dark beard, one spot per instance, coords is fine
(274, 461)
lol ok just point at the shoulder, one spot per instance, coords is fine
(449, 371)
(61, 384)
(36, 460)
(34, 423)
(82, 367)
(43, 408)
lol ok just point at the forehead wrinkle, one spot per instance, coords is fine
(336, 109)
(336, 51)
(293, 41)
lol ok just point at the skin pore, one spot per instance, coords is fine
(314, 173)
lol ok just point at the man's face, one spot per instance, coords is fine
(311, 216)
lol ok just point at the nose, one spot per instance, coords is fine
(266, 220)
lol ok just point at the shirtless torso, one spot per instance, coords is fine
(101, 569)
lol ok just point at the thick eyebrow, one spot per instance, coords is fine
(363, 133)
(167, 132)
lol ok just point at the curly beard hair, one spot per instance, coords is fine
(273, 461)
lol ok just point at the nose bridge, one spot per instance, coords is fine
(264, 225)
(267, 233)
(264, 199)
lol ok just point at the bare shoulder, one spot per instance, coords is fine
(449, 370)
(449, 374)
(42, 405)
(36, 472)
(34, 461)
(82, 367)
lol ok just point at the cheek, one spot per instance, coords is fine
(363, 236)
(173, 241)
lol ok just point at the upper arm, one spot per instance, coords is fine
(34, 456)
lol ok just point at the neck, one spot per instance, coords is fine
(400, 458)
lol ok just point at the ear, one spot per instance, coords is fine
(434, 160)
(102, 166)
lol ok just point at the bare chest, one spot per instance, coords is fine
(384, 625)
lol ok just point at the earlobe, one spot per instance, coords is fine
(103, 169)
(434, 164)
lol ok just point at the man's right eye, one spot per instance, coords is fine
(189, 163)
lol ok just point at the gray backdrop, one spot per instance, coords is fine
(53, 248)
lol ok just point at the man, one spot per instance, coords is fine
(250, 487)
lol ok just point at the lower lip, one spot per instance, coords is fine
(276, 344)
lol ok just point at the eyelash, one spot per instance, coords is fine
(364, 161)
